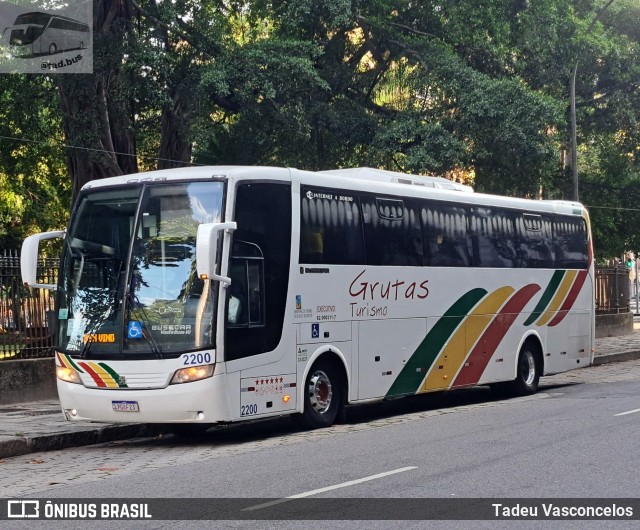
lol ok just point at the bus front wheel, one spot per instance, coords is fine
(323, 399)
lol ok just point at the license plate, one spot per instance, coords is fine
(125, 406)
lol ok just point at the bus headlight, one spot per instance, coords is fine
(193, 373)
(68, 375)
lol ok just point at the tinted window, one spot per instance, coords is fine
(570, 243)
(260, 269)
(331, 228)
(534, 237)
(493, 237)
(444, 229)
(391, 232)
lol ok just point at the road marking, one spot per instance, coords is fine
(628, 412)
(330, 488)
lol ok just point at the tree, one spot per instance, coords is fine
(475, 91)
(97, 108)
(34, 189)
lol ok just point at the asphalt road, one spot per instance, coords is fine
(578, 437)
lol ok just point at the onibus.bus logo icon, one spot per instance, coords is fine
(38, 40)
(23, 509)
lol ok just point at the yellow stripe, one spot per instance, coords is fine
(104, 375)
(63, 361)
(448, 363)
(559, 297)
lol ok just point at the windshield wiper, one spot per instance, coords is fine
(146, 332)
(148, 336)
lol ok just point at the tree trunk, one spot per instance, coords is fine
(175, 147)
(89, 131)
(97, 125)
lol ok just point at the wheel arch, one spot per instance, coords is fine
(534, 339)
(337, 358)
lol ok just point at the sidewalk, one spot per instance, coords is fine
(39, 425)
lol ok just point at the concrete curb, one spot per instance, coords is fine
(52, 442)
(616, 357)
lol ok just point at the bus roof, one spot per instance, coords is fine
(356, 179)
(24, 18)
(382, 175)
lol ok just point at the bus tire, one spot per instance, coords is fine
(527, 373)
(52, 48)
(323, 396)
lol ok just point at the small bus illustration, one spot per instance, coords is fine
(39, 33)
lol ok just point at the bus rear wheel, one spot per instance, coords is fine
(528, 372)
(323, 396)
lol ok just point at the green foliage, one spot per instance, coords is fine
(479, 89)
(34, 186)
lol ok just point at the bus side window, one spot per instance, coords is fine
(534, 234)
(330, 229)
(444, 229)
(236, 313)
(245, 305)
(311, 246)
(392, 232)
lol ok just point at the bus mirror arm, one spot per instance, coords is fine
(29, 259)
(207, 249)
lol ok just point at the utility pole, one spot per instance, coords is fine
(572, 111)
(574, 134)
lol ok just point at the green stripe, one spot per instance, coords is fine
(546, 296)
(412, 375)
(75, 366)
(112, 373)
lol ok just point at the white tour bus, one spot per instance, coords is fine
(218, 294)
(41, 33)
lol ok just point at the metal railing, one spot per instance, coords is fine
(613, 290)
(25, 331)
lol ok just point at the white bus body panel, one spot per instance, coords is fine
(377, 320)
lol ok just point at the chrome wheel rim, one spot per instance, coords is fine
(528, 368)
(320, 392)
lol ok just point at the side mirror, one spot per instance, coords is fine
(207, 250)
(29, 258)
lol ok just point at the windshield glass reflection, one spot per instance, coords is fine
(153, 304)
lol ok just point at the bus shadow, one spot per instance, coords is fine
(556, 386)
(265, 429)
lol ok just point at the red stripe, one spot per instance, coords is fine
(493, 335)
(60, 360)
(571, 298)
(98, 380)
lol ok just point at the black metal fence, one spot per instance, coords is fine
(25, 331)
(612, 290)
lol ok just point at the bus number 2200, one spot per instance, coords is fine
(195, 358)
(248, 410)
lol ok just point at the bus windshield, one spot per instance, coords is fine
(28, 27)
(23, 35)
(129, 284)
